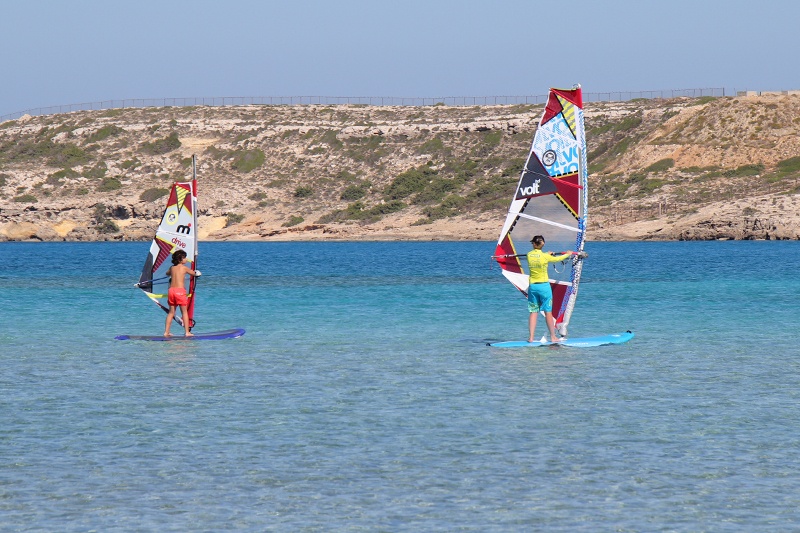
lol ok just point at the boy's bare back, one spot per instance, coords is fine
(177, 274)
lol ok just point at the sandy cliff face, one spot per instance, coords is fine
(674, 169)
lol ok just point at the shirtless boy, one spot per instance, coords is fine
(176, 297)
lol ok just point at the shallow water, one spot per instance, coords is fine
(364, 397)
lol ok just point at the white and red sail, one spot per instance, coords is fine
(177, 231)
(550, 200)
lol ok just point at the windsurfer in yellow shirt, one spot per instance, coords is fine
(540, 295)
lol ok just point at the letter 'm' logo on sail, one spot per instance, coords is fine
(187, 229)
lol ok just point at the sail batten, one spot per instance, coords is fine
(551, 200)
(549, 222)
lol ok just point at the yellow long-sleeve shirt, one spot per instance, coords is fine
(537, 263)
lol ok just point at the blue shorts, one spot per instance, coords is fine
(540, 297)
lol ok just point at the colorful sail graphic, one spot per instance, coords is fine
(177, 231)
(550, 200)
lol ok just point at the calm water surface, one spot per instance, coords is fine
(364, 397)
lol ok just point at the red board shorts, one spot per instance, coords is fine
(177, 296)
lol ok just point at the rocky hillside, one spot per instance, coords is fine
(659, 169)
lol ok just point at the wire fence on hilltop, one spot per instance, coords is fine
(455, 101)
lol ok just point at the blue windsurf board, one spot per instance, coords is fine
(577, 342)
(217, 335)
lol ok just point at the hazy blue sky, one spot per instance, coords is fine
(61, 52)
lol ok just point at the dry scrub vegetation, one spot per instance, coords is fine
(682, 168)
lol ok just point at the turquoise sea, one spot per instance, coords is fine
(364, 398)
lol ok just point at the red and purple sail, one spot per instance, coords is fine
(550, 200)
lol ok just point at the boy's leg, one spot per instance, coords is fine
(532, 325)
(551, 325)
(185, 317)
(170, 316)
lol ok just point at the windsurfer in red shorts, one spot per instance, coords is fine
(176, 297)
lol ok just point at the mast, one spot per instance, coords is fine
(195, 228)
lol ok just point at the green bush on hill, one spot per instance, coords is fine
(258, 196)
(492, 138)
(233, 218)
(161, 146)
(435, 190)
(303, 191)
(103, 224)
(153, 194)
(628, 123)
(109, 184)
(704, 100)
(96, 172)
(387, 208)
(107, 226)
(365, 150)
(67, 155)
(355, 192)
(247, 160)
(696, 169)
(493, 193)
(345, 175)
(621, 147)
(744, 170)
(56, 179)
(409, 182)
(450, 206)
(789, 165)
(514, 167)
(130, 164)
(104, 133)
(661, 165)
(359, 211)
(293, 221)
(330, 138)
(431, 146)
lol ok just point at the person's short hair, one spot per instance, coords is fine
(178, 256)
(537, 239)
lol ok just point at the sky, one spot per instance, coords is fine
(55, 52)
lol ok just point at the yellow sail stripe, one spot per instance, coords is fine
(568, 113)
(174, 246)
(181, 196)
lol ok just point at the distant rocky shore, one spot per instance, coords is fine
(681, 169)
